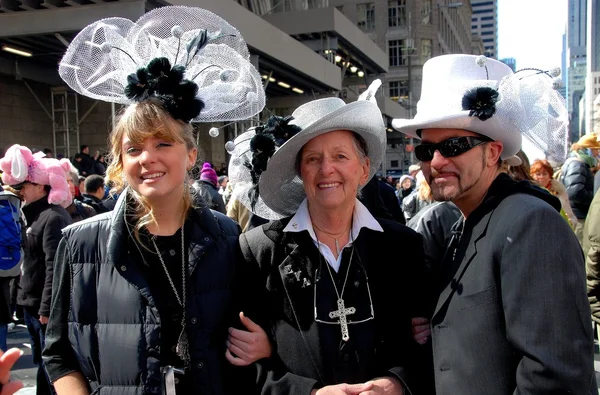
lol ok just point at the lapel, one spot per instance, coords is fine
(204, 230)
(454, 270)
(297, 273)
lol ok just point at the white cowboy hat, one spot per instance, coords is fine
(444, 103)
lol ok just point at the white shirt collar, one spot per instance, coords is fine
(361, 218)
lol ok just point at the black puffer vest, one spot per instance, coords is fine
(113, 323)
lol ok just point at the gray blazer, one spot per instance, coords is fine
(513, 316)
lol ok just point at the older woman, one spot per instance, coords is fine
(320, 278)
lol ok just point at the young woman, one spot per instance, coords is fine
(143, 295)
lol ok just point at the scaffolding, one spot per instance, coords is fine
(65, 121)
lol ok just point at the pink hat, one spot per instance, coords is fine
(20, 165)
(208, 174)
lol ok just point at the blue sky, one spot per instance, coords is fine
(531, 31)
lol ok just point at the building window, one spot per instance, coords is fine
(340, 8)
(397, 13)
(397, 52)
(366, 16)
(398, 90)
(426, 12)
(426, 48)
(394, 163)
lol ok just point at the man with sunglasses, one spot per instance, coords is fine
(510, 312)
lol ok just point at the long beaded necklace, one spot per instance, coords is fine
(183, 348)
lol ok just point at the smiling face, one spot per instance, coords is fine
(465, 177)
(332, 170)
(156, 168)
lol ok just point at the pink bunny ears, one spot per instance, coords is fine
(20, 165)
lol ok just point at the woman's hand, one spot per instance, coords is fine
(7, 360)
(421, 329)
(344, 389)
(246, 347)
(384, 386)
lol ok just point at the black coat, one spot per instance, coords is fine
(44, 224)
(579, 182)
(210, 196)
(105, 323)
(279, 287)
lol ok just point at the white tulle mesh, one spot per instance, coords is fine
(103, 54)
(241, 180)
(537, 110)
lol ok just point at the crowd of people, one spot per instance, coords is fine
(293, 269)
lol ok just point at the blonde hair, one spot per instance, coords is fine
(138, 122)
(424, 192)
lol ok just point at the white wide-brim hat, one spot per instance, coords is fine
(446, 80)
(281, 187)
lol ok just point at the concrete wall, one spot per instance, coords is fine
(22, 119)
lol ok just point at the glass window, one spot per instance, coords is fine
(397, 52)
(393, 163)
(398, 90)
(365, 16)
(397, 13)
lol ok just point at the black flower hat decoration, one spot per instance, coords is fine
(480, 102)
(192, 60)
(263, 145)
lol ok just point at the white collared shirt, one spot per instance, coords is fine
(361, 218)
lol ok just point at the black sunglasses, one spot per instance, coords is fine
(449, 148)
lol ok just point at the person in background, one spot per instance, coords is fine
(578, 178)
(42, 184)
(407, 185)
(100, 165)
(77, 209)
(47, 152)
(511, 316)
(239, 213)
(86, 165)
(94, 193)
(420, 198)
(413, 170)
(80, 189)
(206, 188)
(541, 171)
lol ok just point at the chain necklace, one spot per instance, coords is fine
(342, 311)
(183, 348)
(332, 235)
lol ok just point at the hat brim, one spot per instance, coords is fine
(281, 188)
(511, 139)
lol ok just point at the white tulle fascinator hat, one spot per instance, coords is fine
(195, 62)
